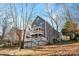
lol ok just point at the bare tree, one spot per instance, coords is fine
(26, 18)
(23, 22)
(5, 25)
(54, 20)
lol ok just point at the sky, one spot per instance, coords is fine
(39, 10)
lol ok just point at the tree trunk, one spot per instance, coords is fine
(70, 37)
(22, 42)
(3, 38)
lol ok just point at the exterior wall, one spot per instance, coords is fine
(12, 36)
(33, 42)
(50, 35)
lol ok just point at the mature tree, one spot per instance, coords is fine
(69, 28)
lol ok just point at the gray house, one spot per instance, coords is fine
(41, 32)
(48, 32)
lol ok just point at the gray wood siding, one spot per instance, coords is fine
(51, 33)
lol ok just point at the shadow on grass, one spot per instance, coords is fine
(64, 42)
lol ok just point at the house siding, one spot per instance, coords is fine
(49, 32)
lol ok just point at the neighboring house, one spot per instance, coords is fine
(64, 37)
(13, 35)
(76, 20)
(41, 33)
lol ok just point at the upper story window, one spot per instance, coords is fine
(34, 25)
(37, 19)
(41, 24)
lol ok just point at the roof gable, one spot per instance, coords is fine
(38, 21)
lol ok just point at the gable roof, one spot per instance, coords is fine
(42, 20)
(37, 18)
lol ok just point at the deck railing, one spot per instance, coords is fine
(37, 27)
(37, 32)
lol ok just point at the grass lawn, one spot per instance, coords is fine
(63, 48)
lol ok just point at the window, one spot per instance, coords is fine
(37, 19)
(34, 25)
